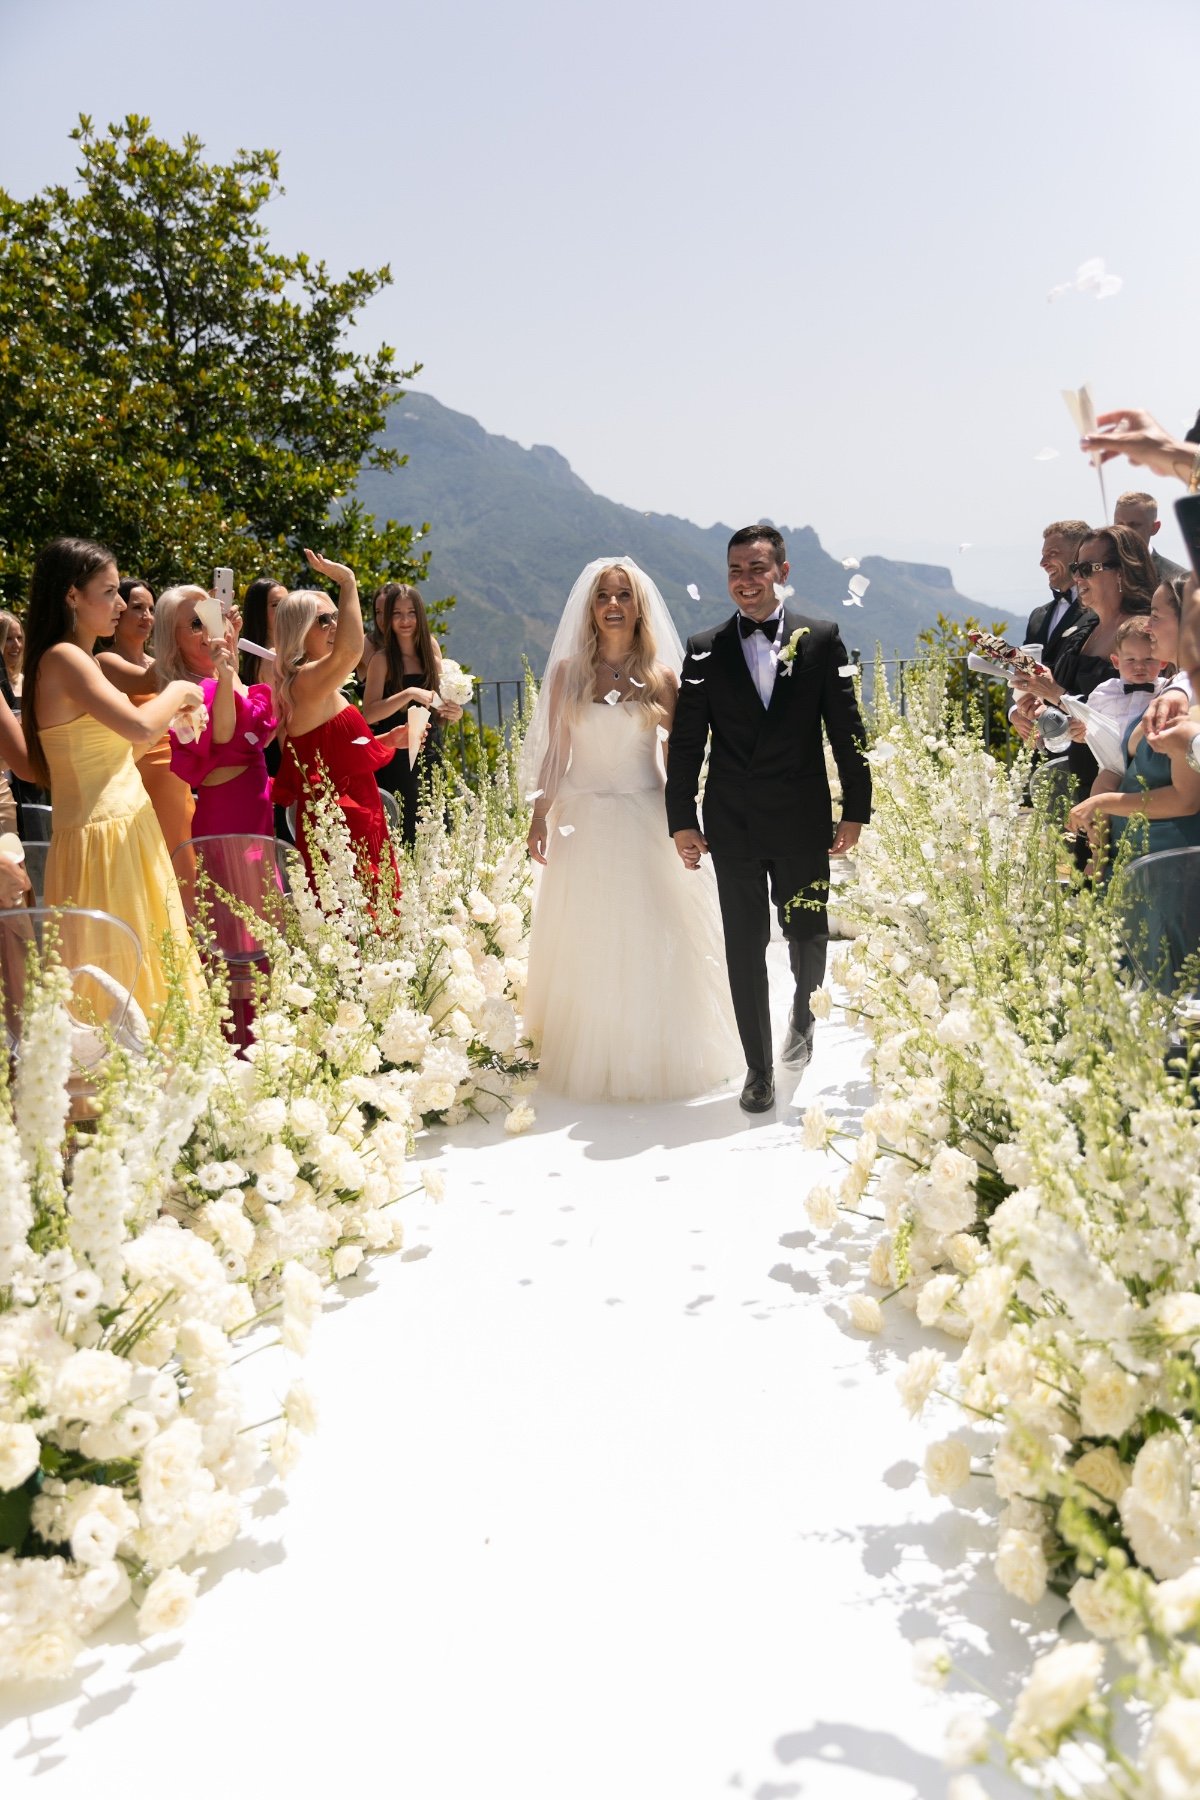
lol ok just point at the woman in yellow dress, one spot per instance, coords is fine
(129, 667)
(106, 848)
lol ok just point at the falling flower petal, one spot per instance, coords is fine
(661, 733)
(365, 740)
(849, 562)
(536, 794)
(963, 547)
(613, 699)
(858, 584)
(693, 591)
(783, 593)
(1091, 277)
(1089, 273)
(565, 830)
(852, 600)
(1046, 455)
(634, 682)
(694, 680)
(251, 737)
(700, 655)
(847, 668)
(1107, 286)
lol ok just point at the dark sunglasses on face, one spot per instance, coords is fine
(325, 620)
(1093, 568)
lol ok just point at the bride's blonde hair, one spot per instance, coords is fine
(294, 617)
(644, 669)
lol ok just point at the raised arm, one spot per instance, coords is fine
(318, 679)
(86, 690)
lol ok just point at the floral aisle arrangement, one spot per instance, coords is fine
(211, 1195)
(1034, 1152)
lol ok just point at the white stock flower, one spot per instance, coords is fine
(168, 1602)
(947, 1466)
(1060, 1686)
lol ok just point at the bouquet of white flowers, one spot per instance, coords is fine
(454, 684)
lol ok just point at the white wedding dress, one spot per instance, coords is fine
(627, 998)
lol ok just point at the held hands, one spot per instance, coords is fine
(845, 837)
(691, 846)
(332, 571)
(536, 841)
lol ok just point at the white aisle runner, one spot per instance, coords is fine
(604, 1505)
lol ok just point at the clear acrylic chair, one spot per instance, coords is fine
(35, 821)
(227, 884)
(102, 956)
(391, 810)
(1159, 897)
(36, 853)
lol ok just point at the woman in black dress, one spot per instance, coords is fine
(1115, 578)
(406, 672)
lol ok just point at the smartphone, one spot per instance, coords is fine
(1187, 511)
(223, 589)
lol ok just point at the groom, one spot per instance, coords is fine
(761, 686)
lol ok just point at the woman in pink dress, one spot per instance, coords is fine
(323, 737)
(226, 764)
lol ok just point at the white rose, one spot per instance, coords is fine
(168, 1602)
(931, 1662)
(820, 1003)
(918, 1378)
(434, 1183)
(1100, 1609)
(1103, 1472)
(346, 1260)
(1178, 1315)
(20, 1451)
(1172, 1764)
(519, 1119)
(480, 907)
(1162, 1477)
(1109, 1399)
(1060, 1686)
(91, 1385)
(966, 1740)
(817, 1127)
(947, 1466)
(300, 1409)
(1021, 1566)
(820, 1208)
(46, 1656)
(934, 1298)
(284, 1451)
(956, 1031)
(879, 1269)
(866, 1314)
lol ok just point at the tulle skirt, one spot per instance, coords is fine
(627, 998)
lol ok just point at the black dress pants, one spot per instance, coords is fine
(747, 889)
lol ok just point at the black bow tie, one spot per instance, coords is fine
(748, 627)
(1061, 593)
(1138, 687)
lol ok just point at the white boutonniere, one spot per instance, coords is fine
(787, 655)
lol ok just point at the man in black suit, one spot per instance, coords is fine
(1140, 512)
(1057, 617)
(760, 687)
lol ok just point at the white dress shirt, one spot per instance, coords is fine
(762, 657)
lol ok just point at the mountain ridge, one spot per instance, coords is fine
(512, 527)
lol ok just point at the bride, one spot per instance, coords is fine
(627, 996)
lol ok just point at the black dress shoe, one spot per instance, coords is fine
(798, 1047)
(758, 1095)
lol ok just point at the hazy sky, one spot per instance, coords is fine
(786, 258)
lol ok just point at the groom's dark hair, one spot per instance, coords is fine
(759, 534)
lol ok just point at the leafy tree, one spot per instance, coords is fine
(173, 386)
(969, 695)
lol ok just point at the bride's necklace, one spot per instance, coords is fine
(616, 672)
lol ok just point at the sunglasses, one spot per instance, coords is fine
(1093, 568)
(325, 620)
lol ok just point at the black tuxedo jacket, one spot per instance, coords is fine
(767, 794)
(1066, 635)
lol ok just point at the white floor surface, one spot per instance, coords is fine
(604, 1505)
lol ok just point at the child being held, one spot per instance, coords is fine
(1124, 698)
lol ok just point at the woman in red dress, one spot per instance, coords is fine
(322, 736)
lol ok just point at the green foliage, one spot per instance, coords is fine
(174, 387)
(969, 697)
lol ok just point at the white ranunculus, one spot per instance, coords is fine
(947, 1466)
(94, 1538)
(168, 1602)
(1060, 1686)
(1021, 1566)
